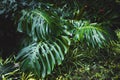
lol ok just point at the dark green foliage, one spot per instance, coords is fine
(40, 58)
(84, 29)
(85, 63)
(91, 33)
(48, 43)
(39, 25)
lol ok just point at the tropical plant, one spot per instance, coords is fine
(86, 63)
(49, 29)
(48, 43)
(91, 34)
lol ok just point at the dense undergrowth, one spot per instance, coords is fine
(59, 40)
(103, 64)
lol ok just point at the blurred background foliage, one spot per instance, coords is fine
(88, 57)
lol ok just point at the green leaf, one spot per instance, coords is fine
(91, 33)
(40, 58)
(39, 25)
